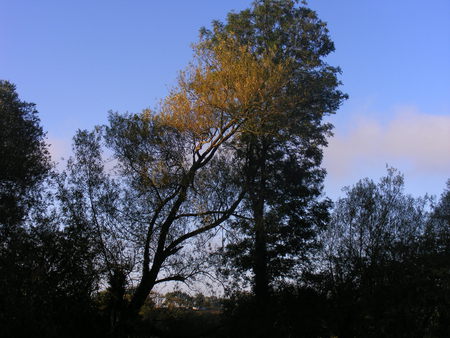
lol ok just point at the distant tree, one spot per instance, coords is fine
(178, 299)
(280, 157)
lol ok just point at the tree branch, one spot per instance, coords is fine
(199, 214)
(176, 278)
(210, 226)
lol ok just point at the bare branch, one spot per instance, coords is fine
(205, 228)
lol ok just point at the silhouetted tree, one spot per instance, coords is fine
(438, 229)
(433, 269)
(24, 164)
(46, 269)
(24, 156)
(172, 183)
(384, 277)
(280, 157)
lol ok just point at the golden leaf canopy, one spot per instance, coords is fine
(225, 86)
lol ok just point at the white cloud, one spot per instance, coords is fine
(423, 139)
(418, 141)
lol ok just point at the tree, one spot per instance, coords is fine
(434, 268)
(173, 181)
(89, 205)
(24, 163)
(25, 158)
(438, 229)
(372, 221)
(383, 278)
(280, 157)
(47, 276)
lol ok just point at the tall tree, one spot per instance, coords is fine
(24, 163)
(280, 157)
(173, 175)
(46, 273)
(23, 152)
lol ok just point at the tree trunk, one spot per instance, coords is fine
(260, 269)
(261, 283)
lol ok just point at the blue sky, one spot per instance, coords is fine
(78, 59)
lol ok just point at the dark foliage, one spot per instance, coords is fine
(47, 275)
(47, 286)
(388, 263)
(24, 157)
(378, 266)
(290, 312)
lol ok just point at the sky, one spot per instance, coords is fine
(77, 60)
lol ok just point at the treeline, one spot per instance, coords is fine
(221, 185)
